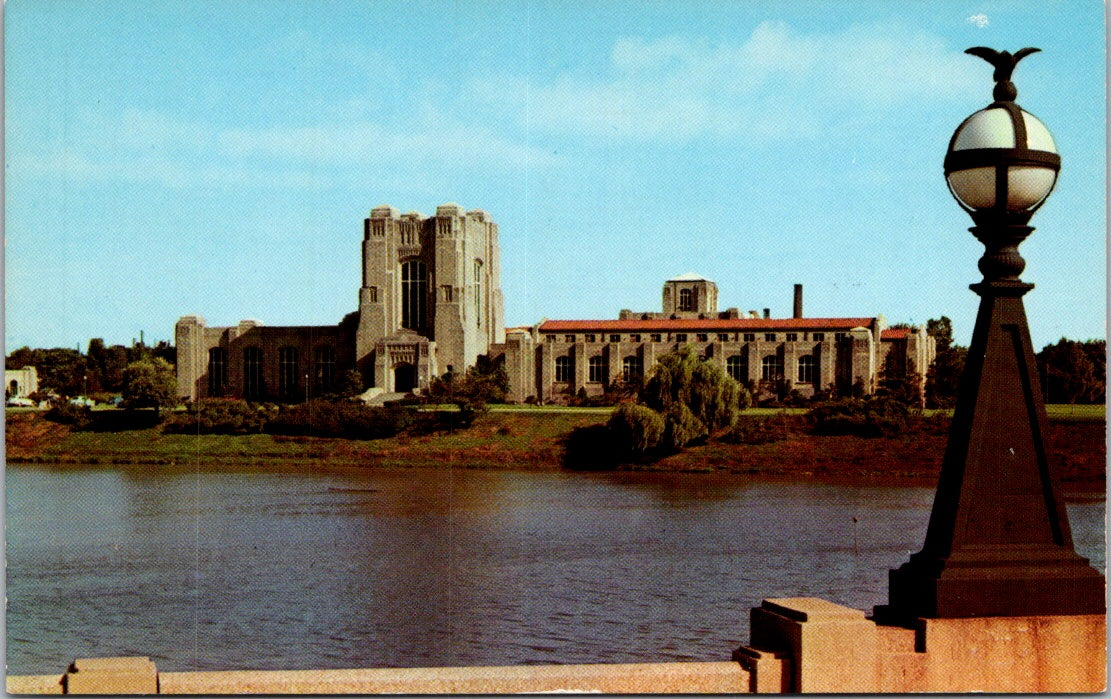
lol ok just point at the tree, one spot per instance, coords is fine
(693, 394)
(943, 376)
(149, 383)
(484, 383)
(1074, 372)
(352, 383)
(941, 329)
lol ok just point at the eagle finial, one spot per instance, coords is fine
(1004, 62)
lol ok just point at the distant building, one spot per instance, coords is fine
(20, 383)
(430, 302)
(556, 359)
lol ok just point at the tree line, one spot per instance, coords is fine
(1070, 371)
(100, 372)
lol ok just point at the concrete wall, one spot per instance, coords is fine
(798, 645)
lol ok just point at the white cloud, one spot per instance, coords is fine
(777, 84)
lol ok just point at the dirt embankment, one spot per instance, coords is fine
(533, 441)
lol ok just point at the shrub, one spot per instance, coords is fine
(350, 419)
(221, 416)
(750, 430)
(873, 416)
(79, 416)
(590, 448)
(635, 429)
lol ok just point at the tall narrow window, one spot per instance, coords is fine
(737, 367)
(632, 368)
(217, 371)
(808, 368)
(478, 292)
(287, 372)
(252, 373)
(598, 370)
(771, 368)
(324, 363)
(414, 294)
(686, 300)
(564, 368)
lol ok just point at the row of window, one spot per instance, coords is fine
(771, 368)
(698, 337)
(323, 371)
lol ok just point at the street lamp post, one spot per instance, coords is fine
(998, 541)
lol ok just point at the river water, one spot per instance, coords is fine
(266, 569)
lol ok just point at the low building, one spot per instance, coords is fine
(20, 383)
(556, 359)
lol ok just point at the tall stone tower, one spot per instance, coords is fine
(431, 297)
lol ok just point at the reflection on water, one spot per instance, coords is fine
(361, 568)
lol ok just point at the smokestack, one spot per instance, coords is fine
(798, 301)
(767, 313)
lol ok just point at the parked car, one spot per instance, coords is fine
(82, 401)
(16, 402)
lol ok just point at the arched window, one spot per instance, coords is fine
(771, 368)
(632, 368)
(808, 368)
(564, 369)
(414, 294)
(217, 371)
(597, 370)
(324, 368)
(287, 372)
(686, 300)
(252, 373)
(737, 367)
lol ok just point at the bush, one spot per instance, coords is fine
(590, 448)
(350, 419)
(750, 430)
(635, 429)
(221, 416)
(873, 416)
(68, 414)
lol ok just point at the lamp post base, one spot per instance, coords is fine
(998, 542)
(1012, 581)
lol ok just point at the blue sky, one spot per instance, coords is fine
(166, 158)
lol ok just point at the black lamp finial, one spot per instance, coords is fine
(1004, 62)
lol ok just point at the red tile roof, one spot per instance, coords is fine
(708, 324)
(895, 334)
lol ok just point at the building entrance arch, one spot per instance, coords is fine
(404, 378)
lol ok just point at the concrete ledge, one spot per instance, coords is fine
(127, 675)
(35, 684)
(642, 678)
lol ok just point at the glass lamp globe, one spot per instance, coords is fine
(1002, 159)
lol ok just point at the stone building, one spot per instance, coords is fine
(556, 359)
(20, 383)
(430, 302)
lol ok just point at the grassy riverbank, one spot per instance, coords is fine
(532, 439)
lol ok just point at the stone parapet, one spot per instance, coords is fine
(834, 649)
(634, 678)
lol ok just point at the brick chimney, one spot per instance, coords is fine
(798, 301)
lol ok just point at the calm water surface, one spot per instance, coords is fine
(220, 569)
